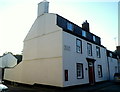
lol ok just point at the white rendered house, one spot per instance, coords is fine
(8, 60)
(113, 64)
(58, 52)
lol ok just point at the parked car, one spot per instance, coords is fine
(117, 77)
(3, 88)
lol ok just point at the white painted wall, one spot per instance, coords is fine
(42, 54)
(71, 57)
(101, 61)
(0, 75)
(1, 62)
(8, 60)
(113, 67)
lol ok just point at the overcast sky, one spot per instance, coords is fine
(17, 17)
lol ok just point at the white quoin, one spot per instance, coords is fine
(43, 7)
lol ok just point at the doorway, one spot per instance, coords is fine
(91, 71)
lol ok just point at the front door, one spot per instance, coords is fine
(91, 73)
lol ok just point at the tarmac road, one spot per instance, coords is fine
(100, 87)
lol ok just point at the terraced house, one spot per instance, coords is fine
(58, 52)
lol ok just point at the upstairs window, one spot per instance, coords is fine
(78, 46)
(69, 26)
(89, 49)
(98, 51)
(83, 33)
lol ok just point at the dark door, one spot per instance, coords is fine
(91, 73)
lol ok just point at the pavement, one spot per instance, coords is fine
(39, 88)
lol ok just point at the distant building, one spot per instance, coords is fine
(8, 60)
(112, 64)
(58, 52)
(118, 53)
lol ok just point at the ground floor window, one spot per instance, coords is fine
(100, 71)
(79, 71)
(66, 75)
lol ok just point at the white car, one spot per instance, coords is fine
(3, 88)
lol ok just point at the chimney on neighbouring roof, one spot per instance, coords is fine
(118, 50)
(43, 7)
(85, 26)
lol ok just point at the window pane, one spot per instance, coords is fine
(66, 75)
(94, 39)
(110, 54)
(78, 46)
(78, 42)
(98, 52)
(89, 49)
(83, 33)
(99, 71)
(78, 49)
(79, 68)
(69, 26)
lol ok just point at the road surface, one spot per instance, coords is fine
(101, 87)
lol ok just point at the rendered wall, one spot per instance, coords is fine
(8, 60)
(71, 57)
(45, 71)
(113, 67)
(42, 54)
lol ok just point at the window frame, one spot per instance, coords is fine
(77, 46)
(98, 53)
(66, 74)
(100, 73)
(88, 44)
(79, 70)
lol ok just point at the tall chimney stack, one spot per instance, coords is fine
(85, 26)
(43, 7)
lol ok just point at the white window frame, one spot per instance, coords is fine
(100, 74)
(78, 46)
(89, 49)
(79, 70)
(98, 52)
